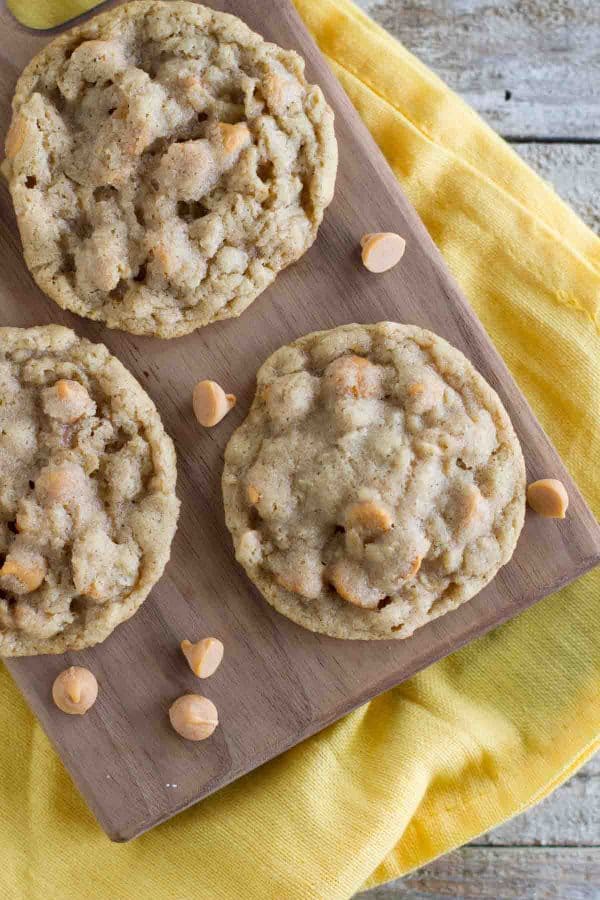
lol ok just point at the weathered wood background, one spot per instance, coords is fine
(531, 68)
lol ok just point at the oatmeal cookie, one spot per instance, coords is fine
(165, 163)
(87, 492)
(376, 483)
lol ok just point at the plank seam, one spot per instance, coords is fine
(548, 139)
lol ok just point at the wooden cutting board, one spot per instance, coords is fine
(278, 684)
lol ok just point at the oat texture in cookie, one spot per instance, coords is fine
(376, 483)
(87, 492)
(165, 163)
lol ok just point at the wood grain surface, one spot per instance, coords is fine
(501, 873)
(530, 67)
(278, 683)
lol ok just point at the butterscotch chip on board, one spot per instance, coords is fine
(165, 164)
(194, 717)
(204, 657)
(211, 403)
(548, 497)
(75, 690)
(338, 515)
(382, 251)
(87, 492)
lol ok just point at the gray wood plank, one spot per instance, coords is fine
(569, 817)
(574, 172)
(568, 820)
(498, 862)
(500, 873)
(530, 67)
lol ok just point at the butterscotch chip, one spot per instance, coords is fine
(234, 137)
(253, 494)
(15, 137)
(376, 483)
(165, 163)
(469, 504)
(65, 483)
(369, 517)
(548, 497)
(353, 376)
(194, 717)
(211, 403)
(204, 657)
(413, 568)
(352, 584)
(23, 571)
(382, 251)
(305, 584)
(67, 401)
(87, 492)
(75, 691)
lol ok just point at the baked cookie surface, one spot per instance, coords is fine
(87, 492)
(376, 483)
(165, 163)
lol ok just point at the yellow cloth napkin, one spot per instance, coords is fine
(475, 738)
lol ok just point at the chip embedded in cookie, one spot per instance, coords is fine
(376, 483)
(87, 492)
(165, 163)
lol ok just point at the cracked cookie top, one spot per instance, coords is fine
(165, 162)
(87, 492)
(376, 484)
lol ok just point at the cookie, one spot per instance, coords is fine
(165, 163)
(87, 492)
(376, 484)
